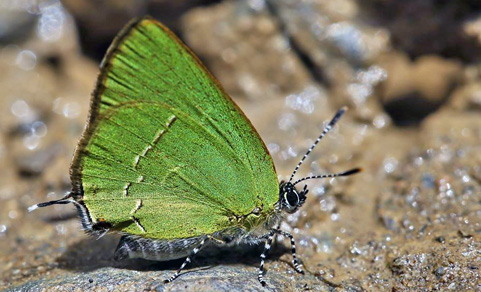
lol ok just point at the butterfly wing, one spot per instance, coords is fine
(166, 153)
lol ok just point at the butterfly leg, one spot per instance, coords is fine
(187, 260)
(295, 260)
(267, 247)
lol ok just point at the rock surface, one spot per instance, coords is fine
(410, 222)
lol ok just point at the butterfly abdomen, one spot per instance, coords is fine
(158, 250)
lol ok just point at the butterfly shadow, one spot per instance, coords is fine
(90, 254)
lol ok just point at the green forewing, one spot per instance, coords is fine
(166, 153)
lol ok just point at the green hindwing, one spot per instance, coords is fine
(166, 153)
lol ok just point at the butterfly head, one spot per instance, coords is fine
(290, 198)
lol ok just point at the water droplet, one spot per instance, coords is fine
(39, 129)
(418, 161)
(292, 152)
(390, 164)
(256, 5)
(31, 142)
(355, 249)
(359, 92)
(328, 204)
(380, 121)
(21, 110)
(372, 76)
(335, 216)
(303, 242)
(51, 23)
(305, 100)
(287, 121)
(12, 214)
(319, 191)
(348, 38)
(71, 110)
(26, 60)
(333, 159)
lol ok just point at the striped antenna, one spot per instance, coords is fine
(345, 173)
(329, 126)
(64, 200)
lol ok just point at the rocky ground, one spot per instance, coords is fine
(408, 71)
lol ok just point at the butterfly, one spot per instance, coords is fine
(171, 162)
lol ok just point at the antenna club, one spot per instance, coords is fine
(353, 171)
(33, 207)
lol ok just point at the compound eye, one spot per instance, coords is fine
(292, 198)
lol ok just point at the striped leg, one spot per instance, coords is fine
(267, 247)
(295, 261)
(187, 261)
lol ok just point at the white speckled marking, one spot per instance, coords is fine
(136, 160)
(139, 225)
(137, 207)
(156, 139)
(126, 188)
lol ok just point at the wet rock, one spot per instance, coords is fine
(427, 27)
(248, 44)
(438, 267)
(339, 49)
(15, 21)
(472, 28)
(112, 15)
(415, 89)
(467, 97)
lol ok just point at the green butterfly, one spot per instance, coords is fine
(170, 161)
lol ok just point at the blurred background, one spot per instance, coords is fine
(409, 71)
